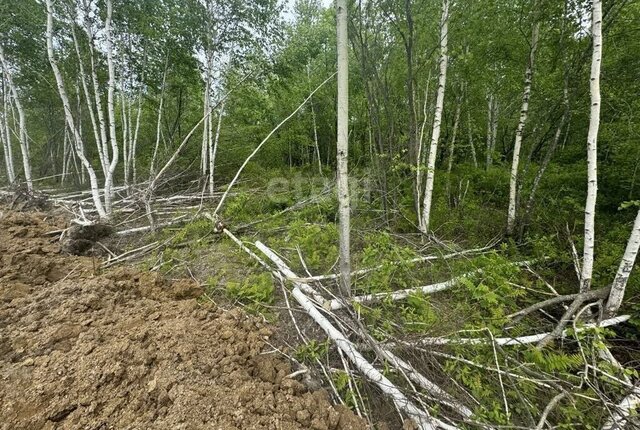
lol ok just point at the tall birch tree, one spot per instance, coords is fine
(68, 115)
(22, 126)
(524, 113)
(344, 207)
(5, 135)
(424, 220)
(111, 87)
(592, 148)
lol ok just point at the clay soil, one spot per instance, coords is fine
(124, 349)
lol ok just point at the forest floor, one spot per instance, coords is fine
(125, 348)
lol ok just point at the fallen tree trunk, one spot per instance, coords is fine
(421, 417)
(403, 294)
(590, 295)
(624, 409)
(522, 340)
(411, 261)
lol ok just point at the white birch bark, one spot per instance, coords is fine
(437, 120)
(344, 207)
(513, 341)
(90, 105)
(454, 135)
(494, 126)
(134, 143)
(422, 418)
(104, 147)
(152, 167)
(420, 156)
(472, 146)
(113, 163)
(452, 146)
(95, 193)
(624, 410)
(6, 133)
(125, 134)
(205, 129)
(22, 132)
(624, 270)
(524, 113)
(315, 127)
(213, 149)
(592, 148)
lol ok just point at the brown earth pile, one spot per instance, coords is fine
(129, 350)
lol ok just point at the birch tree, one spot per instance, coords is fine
(22, 126)
(5, 134)
(111, 87)
(344, 208)
(69, 119)
(624, 270)
(592, 148)
(524, 112)
(213, 149)
(424, 220)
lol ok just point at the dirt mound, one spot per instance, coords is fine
(126, 349)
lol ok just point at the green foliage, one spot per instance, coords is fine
(254, 290)
(393, 271)
(490, 295)
(341, 380)
(553, 361)
(312, 351)
(194, 230)
(318, 243)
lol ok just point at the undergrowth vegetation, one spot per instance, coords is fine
(300, 223)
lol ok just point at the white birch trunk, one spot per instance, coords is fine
(213, 149)
(592, 149)
(422, 418)
(66, 160)
(489, 151)
(125, 135)
(524, 112)
(113, 163)
(152, 167)
(315, 127)
(6, 144)
(95, 193)
(104, 150)
(472, 146)
(452, 145)
(437, 120)
(134, 142)
(344, 207)
(6, 133)
(420, 156)
(22, 133)
(90, 105)
(494, 126)
(624, 270)
(205, 130)
(624, 410)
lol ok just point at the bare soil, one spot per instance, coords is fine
(125, 349)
